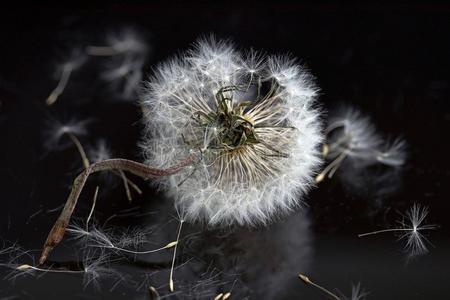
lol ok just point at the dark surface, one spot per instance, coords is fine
(392, 61)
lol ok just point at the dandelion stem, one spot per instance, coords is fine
(174, 256)
(94, 201)
(67, 70)
(80, 149)
(57, 232)
(385, 230)
(306, 280)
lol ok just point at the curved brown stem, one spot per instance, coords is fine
(57, 232)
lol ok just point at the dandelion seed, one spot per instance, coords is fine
(126, 41)
(94, 201)
(102, 240)
(154, 295)
(219, 296)
(306, 280)
(73, 128)
(171, 285)
(394, 155)
(253, 118)
(65, 69)
(125, 74)
(411, 230)
(358, 293)
(101, 151)
(352, 137)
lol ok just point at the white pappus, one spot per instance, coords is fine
(253, 117)
(352, 137)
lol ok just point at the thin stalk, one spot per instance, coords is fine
(27, 267)
(112, 246)
(125, 184)
(57, 232)
(80, 149)
(174, 256)
(306, 280)
(130, 183)
(384, 230)
(154, 295)
(67, 70)
(94, 201)
(333, 166)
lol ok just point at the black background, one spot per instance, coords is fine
(392, 61)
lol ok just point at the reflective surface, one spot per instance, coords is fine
(391, 62)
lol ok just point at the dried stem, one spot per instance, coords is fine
(57, 232)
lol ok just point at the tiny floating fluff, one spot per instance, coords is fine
(255, 121)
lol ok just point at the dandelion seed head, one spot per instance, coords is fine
(356, 135)
(254, 119)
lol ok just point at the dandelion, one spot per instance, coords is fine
(64, 71)
(351, 136)
(411, 230)
(253, 118)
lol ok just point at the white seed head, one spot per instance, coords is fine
(352, 133)
(253, 118)
(355, 135)
(415, 240)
